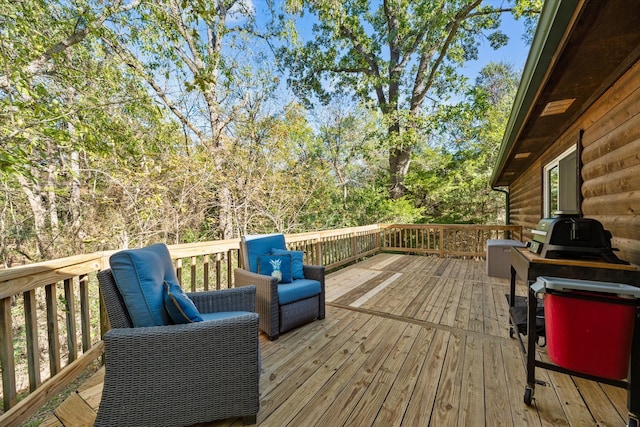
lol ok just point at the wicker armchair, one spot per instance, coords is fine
(277, 315)
(178, 375)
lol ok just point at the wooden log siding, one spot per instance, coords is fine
(610, 171)
(526, 200)
(46, 292)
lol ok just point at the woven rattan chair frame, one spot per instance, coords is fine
(274, 317)
(180, 375)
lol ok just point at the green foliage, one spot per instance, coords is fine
(451, 180)
(126, 123)
(399, 57)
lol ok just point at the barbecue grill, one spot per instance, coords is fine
(572, 236)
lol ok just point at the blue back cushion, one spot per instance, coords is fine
(140, 275)
(261, 244)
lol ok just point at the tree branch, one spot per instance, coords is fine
(129, 59)
(42, 63)
(369, 58)
(420, 87)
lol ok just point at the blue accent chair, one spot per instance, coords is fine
(158, 372)
(281, 306)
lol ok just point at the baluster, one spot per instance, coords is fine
(52, 329)
(179, 270)
(71, 320)
(33, 348)
(10, 397)
(194, 265)
(218, 270)
(229, 257)
(205, 271)
(85, 312)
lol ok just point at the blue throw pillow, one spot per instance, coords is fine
(297, 272)
(179, 306)
(275, 265)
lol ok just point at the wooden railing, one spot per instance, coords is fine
(52, 321)
(444, 239)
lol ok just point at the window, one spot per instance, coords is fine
(561, 184)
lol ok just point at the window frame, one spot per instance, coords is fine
(546, 184)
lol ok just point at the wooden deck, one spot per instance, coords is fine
(411, 341)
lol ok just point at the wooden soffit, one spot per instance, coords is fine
(580, 49)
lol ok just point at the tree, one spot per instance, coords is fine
(399, 56)
(451, 178)
(347, 137)
(198, 59)
(58, 91)
(276, 178)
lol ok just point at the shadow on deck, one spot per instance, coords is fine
(411, 341)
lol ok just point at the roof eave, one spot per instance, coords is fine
(552, 26)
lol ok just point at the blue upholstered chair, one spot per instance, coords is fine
(287, 296)
(175, 359)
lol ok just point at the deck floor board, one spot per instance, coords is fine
(407, 341)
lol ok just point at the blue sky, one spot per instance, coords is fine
(514, 53)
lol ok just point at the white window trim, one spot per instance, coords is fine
(545, 179)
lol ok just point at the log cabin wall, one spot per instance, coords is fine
(610, 171)
(526, 200)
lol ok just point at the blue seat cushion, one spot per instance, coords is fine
(179, 306)
(270, 265)
(140, 275)
(297, 271)
(260, 244)
(297, 290)
(222, 315)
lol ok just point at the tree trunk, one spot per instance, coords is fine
(35, 198)
(52, 198)
(74, 196)
(399, 158)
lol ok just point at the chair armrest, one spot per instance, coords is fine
(146, 344)
(234, 299)
(316, 272)
(267, 303)
(245, 277)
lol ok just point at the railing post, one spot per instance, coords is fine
(441, 242)
(33, 348)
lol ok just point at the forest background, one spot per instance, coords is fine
(127, 122)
